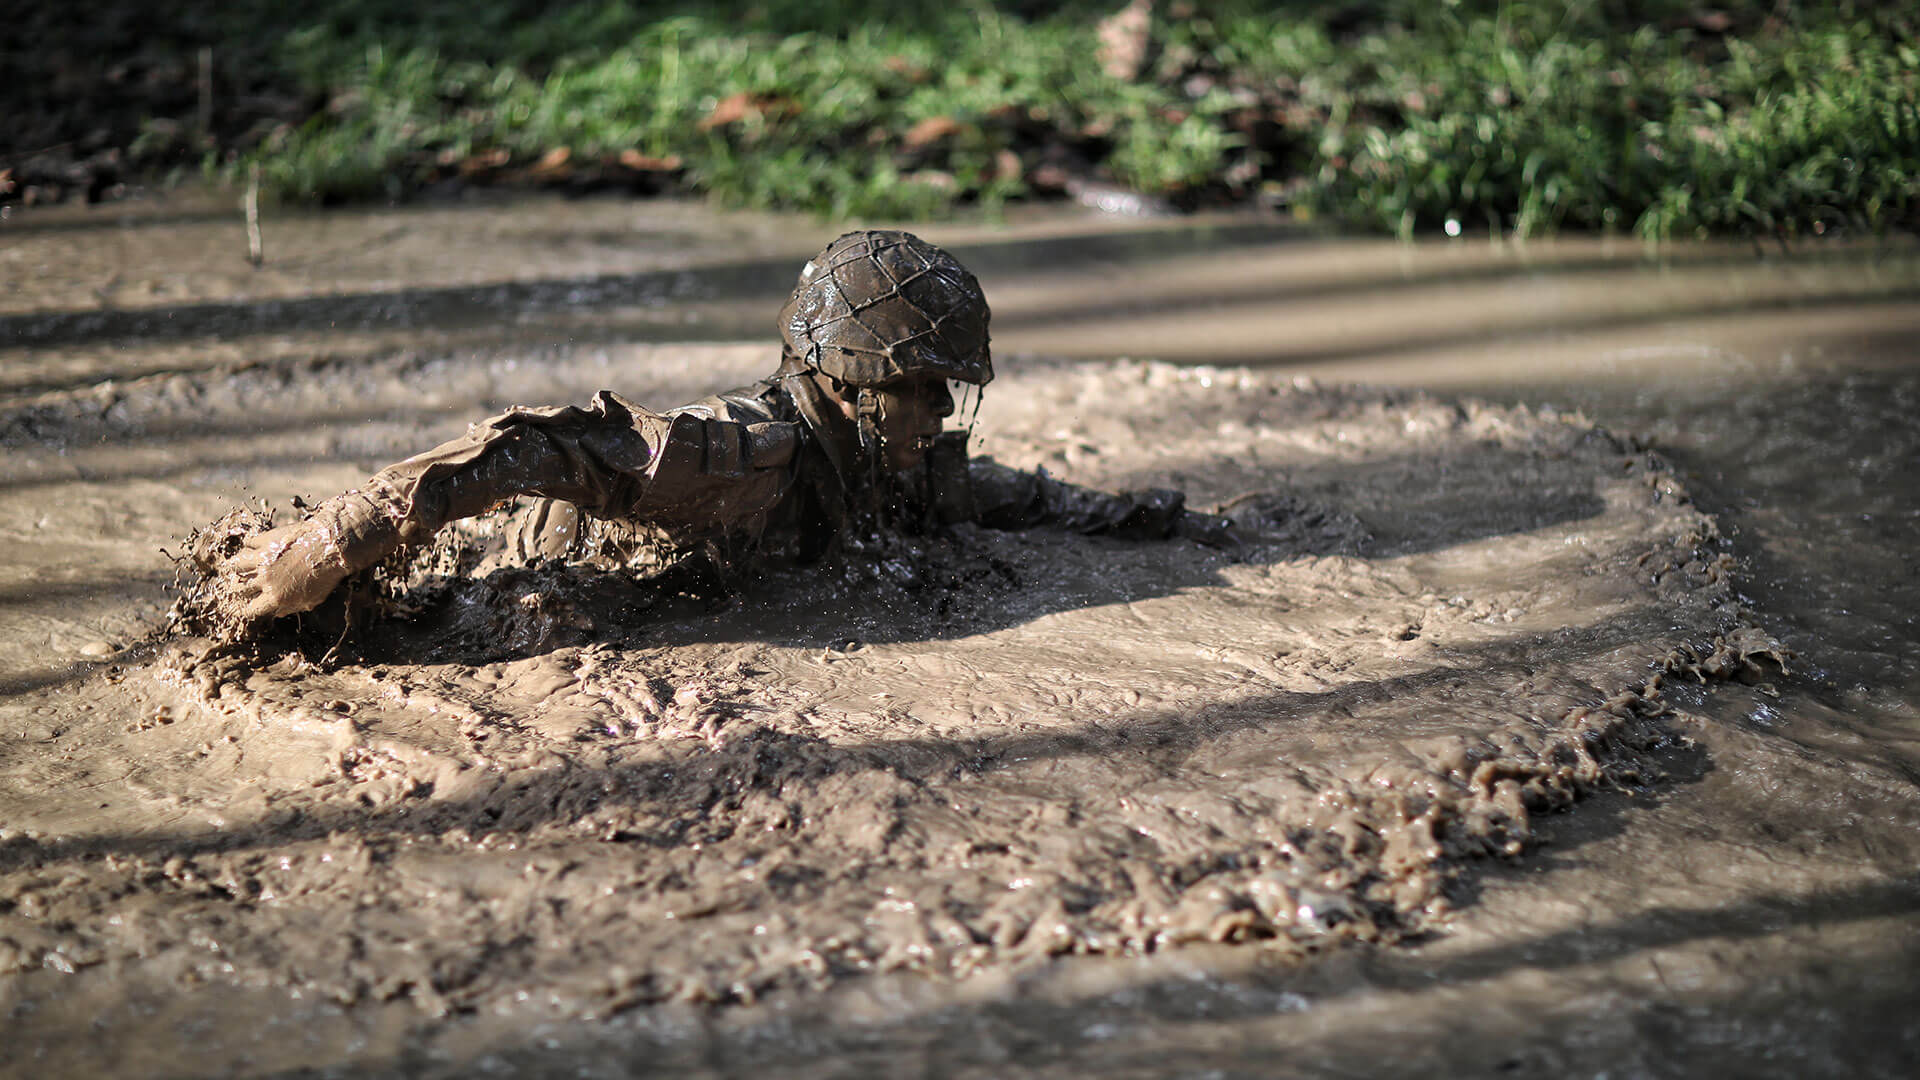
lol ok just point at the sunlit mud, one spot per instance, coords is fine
(945, 754)
(988, 800)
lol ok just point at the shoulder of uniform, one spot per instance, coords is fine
(745, 405)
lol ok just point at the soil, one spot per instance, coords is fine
(986, 802)
(960, 752)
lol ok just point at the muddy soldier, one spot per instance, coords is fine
(847, 434)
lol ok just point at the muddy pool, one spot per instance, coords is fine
(1562, 716)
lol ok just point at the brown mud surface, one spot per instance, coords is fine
(948, 754)
(1019, 802)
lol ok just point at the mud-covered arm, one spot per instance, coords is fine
(998, 497)
(612, 459)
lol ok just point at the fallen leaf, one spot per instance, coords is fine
(933, 178)
(905, 68)
(478, 163)
(1049, 178)
(639, 162)
(728, 110)
(737, 107)
(1123, 40)
(930, 130)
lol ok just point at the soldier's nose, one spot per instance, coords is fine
(942, 399)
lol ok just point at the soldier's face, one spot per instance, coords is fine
(911, 414)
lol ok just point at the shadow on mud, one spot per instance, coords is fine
(695, 790)
(933, 588)
(764, 283)
(766, 280)
(1069, 1026)
(1074, 1031)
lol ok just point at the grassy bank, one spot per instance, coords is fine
(1656, 116)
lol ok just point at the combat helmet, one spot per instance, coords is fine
(878, 306)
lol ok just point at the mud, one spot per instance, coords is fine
(952, 754)
(1001, 802)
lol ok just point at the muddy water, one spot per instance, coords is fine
(1004, 801)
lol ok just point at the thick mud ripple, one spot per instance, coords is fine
(952, 754)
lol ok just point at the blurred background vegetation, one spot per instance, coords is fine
(1661, 117)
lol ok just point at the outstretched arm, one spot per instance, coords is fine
(610, 459)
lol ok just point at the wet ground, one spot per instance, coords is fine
(1743, 897)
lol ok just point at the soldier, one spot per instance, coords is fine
(847, 434)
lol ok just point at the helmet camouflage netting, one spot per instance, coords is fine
(879, 306)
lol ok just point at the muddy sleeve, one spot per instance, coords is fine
(611, 458)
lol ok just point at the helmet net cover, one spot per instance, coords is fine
(880, 306)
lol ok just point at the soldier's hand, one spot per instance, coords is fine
(250, 575)
(282, 571)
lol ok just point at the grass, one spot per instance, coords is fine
(871, 121)
(1651, 115)
(1516, 120)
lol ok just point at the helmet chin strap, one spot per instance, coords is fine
(868, 498)
(868, 413)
